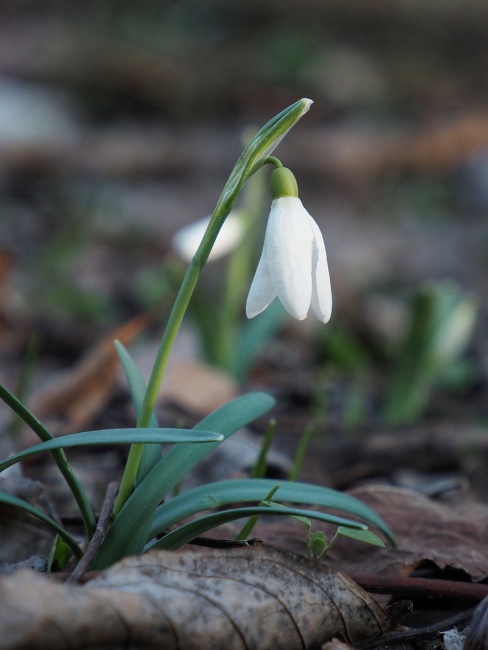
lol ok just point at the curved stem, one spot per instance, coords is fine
(254, 156)
(170, 333)
(272, 160)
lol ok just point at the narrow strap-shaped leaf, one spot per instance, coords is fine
(59, 458)
(129, 532)
(223, 493)
(115, 437)
(11, 500)
(189, 531)
(150, 453)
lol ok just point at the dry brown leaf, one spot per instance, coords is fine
(214, 599)
(197, 387)
(73, 401)
(451, 535)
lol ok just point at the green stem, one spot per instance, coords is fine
(272, 160)
(190, 280)
(172, 328)
(254, 156)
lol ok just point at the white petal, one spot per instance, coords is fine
(321, 291)
(262, 291)
(289, 241)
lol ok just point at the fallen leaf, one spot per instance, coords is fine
(451, 535)
(213, 599)
(197, 387)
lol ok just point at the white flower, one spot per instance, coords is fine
(187, 240)
(293, 264)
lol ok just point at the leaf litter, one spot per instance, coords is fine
(444, 536)
(241, 598)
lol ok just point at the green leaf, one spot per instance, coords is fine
(129, 532)
(223, 493)
(361, 536)
(317, 544)
(189, 531)
(115, 437)
(59, 556)
(150, 453)
(10, 500)
(59, 458)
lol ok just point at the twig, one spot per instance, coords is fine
(420, 587)
(98, 535)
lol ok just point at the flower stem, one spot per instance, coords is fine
(254, 156)
(172, 328)
(272, 160)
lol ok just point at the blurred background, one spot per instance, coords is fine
(120, 122)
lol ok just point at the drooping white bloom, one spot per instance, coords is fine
(187, 240)
(293, 264)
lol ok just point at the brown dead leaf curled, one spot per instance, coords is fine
(196, 599)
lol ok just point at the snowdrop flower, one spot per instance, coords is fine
(187, 240)
(293, 264)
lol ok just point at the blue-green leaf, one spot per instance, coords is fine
(115, 437)
(189, 531)
(151, 453)
(223, 493)
(58, 456)
(129, 532)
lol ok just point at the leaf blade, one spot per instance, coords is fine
(222, 493)
(59, 458)
(129, 532)
(192, 529)
(150, 453)
(115, 437)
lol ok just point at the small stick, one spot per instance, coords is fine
(420, 586)
(98, 535)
